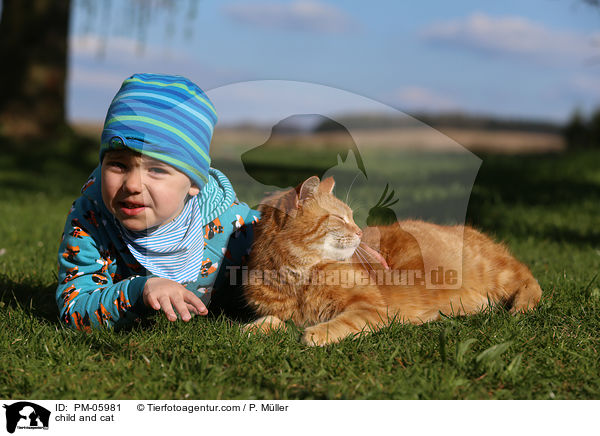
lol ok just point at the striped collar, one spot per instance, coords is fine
(174, 250)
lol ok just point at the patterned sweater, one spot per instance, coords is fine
(100, 283)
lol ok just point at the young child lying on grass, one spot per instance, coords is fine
(152, 227)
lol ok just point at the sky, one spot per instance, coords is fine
(535, 59)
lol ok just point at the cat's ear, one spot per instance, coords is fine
(276, 207)
(309, 187)
(327, 185)
(286, 201)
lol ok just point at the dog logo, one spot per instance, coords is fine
(26, 415)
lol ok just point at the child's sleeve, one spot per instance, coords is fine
(87, 296)
(227, 249)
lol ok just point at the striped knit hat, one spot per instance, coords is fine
(168, 118)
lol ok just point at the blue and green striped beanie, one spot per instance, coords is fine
(168, 118)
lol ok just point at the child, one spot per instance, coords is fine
(155, 226)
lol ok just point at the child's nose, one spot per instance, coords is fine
(132, 182)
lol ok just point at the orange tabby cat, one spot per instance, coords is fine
(307, 266)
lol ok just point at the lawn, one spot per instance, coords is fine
(545, 207)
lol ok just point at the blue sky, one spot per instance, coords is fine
(534, 58)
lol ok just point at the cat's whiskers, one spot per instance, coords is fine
(354, 209)
(356, 205)
(351, 201)
(364, 255)
(362, 261)
(372, 273)
(348, 192)
(365, 251)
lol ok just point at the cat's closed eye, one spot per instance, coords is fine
(339, 217)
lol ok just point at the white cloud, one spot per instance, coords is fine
(299, 15)
(514, 36)
(417, 97)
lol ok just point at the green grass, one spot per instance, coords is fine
(545, 208)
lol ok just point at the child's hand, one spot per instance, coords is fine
(165, 294)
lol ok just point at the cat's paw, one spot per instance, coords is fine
(315, 336)
(266, 324)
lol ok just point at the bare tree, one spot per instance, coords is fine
(33, 49)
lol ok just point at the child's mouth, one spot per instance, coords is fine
(131, 209)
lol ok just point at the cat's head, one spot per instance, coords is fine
(312, 220)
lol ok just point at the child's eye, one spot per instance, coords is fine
(157, 170)
(116, 164)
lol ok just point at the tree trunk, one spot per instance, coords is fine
(33, 51)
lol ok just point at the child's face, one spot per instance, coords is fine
(142, 192)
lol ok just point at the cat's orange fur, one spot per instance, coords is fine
(307, 231)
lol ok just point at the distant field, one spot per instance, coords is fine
(544, 206)
(505, 142)
(485, 141)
